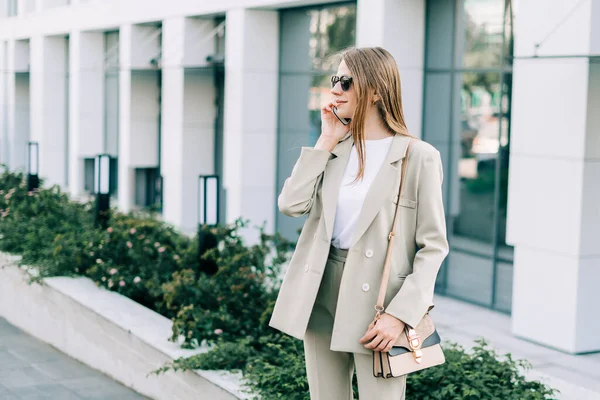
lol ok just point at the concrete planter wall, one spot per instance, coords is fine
(108, 332)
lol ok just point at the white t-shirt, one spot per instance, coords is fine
(352, 196)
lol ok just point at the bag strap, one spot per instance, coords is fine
(388, 256)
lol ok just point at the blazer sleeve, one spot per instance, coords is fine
(415, 297)
(299, 190)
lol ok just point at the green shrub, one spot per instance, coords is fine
(478, 374)
(275, 370)
(135, 256)
(152, 263)
(230, 304)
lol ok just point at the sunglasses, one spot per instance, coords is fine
(345, 82)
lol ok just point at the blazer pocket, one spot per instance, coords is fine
(404, 202)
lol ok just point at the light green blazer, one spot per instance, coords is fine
(420, 244)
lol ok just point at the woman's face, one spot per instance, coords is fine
(345, 101)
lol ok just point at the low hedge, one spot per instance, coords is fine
(152, 263)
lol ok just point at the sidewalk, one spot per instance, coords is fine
(577, 377)
(32, 370)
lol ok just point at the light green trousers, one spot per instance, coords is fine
(330, 372)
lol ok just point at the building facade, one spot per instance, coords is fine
(508, 91)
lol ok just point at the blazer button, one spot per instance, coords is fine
(365, 287)
(306, 268)
(369, 253)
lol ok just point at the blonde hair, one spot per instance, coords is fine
(374, 69)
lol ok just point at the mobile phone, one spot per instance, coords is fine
(344, 121)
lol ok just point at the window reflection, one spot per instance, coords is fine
(509, 23)
(480, 33)
(480, 123)
(309, 38)
(331, 30)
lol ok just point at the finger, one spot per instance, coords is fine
(388, 347)
(371, 333)
(383, 345)
(374, 343)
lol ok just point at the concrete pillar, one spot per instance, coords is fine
(554, 196)
(16, 104)
(48, 106)
(385, 23)
(138, 103)
(126, 172)
(250, 128)
(188, 114)
(86, 108)
(3, 102)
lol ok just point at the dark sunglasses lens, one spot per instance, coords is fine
(345, 83)
(334, 81)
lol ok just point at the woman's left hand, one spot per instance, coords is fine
(382, 335)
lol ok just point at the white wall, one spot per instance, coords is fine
(86, 105)
(108, 14)
(250, 131)
(188, 117)
(48, 105)
(18, 156)
(143, 152)
(553, 213)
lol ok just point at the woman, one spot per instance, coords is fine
(348, 185)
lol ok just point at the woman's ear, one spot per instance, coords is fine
(375, 97)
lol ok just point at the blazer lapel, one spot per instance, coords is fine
(332, 179)
(383, 186)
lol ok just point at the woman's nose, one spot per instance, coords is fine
(336, 89)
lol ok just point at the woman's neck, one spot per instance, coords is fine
(374, 127)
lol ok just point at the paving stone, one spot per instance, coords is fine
(32, 370)
(7, 329)
(28, 376)
(99, 387)
(45, 392)
(9, 361)
(64, 369)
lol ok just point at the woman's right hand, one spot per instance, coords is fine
(332, 130)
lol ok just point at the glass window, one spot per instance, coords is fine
(309, 39)
(478, 135)
(439, 33)
(12, 8)
(467, 118)
(479, 33)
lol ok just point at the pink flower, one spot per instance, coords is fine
(122, 283)
(218, 331)
(132, 231)
(137, 279)
(129, 244)
(109, 230)
(92, 254)
(156, 244)
(112, 271)
(110, 283)
(99, 261)
(161, 249)
(176, 257)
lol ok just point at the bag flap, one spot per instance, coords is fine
(432, 340)
(424, 329)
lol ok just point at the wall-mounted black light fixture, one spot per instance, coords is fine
(208, 216)
(102, 189)
(33, 162)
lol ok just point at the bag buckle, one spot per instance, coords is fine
(414, 342)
